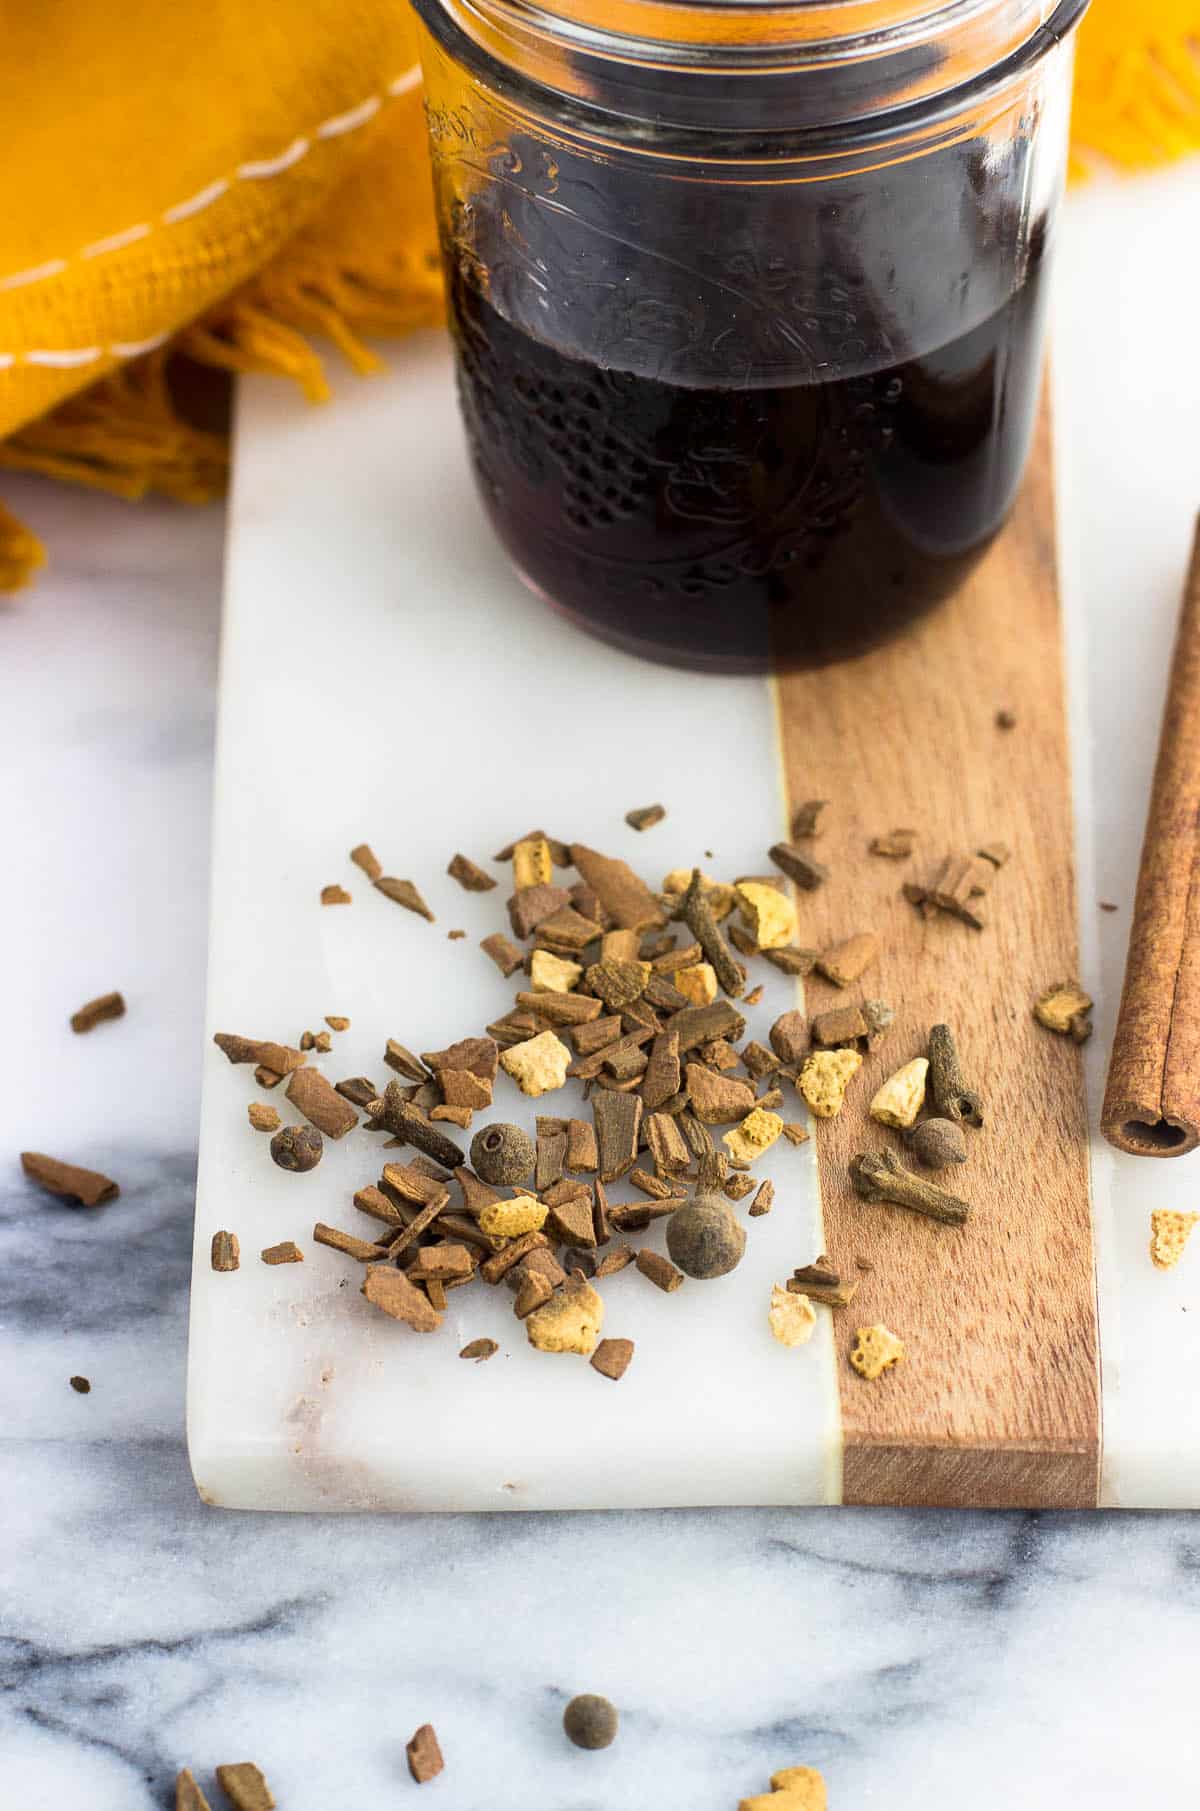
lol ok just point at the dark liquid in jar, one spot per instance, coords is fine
(732, 527)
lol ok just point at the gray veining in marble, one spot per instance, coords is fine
(922, 1660)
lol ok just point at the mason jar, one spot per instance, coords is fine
(747, 300)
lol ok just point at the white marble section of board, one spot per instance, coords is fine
(1126, 391)
(385, 678)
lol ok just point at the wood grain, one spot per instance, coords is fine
(997, 1400)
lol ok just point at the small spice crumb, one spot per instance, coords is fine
(612, 1358)
(805, 818)
(262, 1117)
(454, 936)
(1065, 1008)
(336, 1022)
(1169, 1233)
(470, 875)
(795, 1133)
(539, 1065)
(245, 1787)
(81, 1386)
(847, 961)
(589, 1720)
(480, 1350)
(1107, 905)
(875, 1350)
(569, 1322)
(1006, 719)
(287, 1252)
(88, 1187)
(364, 857)
(898, 1103)
(897, 845)
(659, 1271)
(507, 956)
(335, 896)
(645, 817)
(792, 1317)
(107, 1006)
(754, 997)
(764, 1200)
(824, 1079)
(424, 1755)
(792, 1789)
(226, 1252)
(756, 1134)
(405, 893)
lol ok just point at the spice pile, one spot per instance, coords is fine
(648, 1019)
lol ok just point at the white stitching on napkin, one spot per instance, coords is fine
(257, 170)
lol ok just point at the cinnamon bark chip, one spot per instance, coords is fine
(503, 952)
(701, 1024)
(618, 1119)
(517, 1028)
(596, 1036)
(841, 1025)
(568, 930)
(531, 906)
(267, 1078)
(789, 1037)
(373, 1201)
(320, 1103)
(758, 1060)
(441, 1262)
(463, 1090)
(413, 1184)
(286, 1252)
(764, 1200)
(796, 1133)
(495, 1267)
(225, 1252)
(561, 1009)
(570, 1220)
(336, 1021)
(798, 865)
(335, 895)
(581, 1146)
(551, 1152)
(88, 1187)
(666, 1144)
(560, 852)
(999, 854)
(662, 1073)
(345, 1242)
(651, 1185)
(245, 1787)
(848, 960)
(896, 845)
(739, 1186)
(404, 893)
(392, 1292)
(402, 1060)
(107, 1006)
(791, 960)
(717, 1099)
(698, 912)
(644, 817)
(612, 1358)
(416, 1228)
(617, 1259)
(480, 1349)
(957, 886)
(188, 1796)
(821, 1282)
(469, 876)
(610, 1056)
(660, 1271)
(281, 1059)
(626, 898)
(533, 1290)
(364, 857)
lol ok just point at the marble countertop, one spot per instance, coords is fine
(920, 1659)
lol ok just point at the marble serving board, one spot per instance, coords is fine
(384, 678)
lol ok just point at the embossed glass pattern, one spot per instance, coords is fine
(747, 301)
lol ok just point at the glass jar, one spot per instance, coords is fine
(747, 300)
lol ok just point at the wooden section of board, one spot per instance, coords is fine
(997, 1399)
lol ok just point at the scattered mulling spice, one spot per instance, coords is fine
(589, 1720)
(612, 1358)
(698, 913)
(899, 1101)
(705, 1238)
(897, 845)
(618, 1119)
(644, 817)
(798, 865)
(789, 1037)
(336, 1021)
(404, 893)
(297, 1148)
(951, 1096)
(1065, 1008)
(840, 1025)
(280, 1059)
(1169, 1233)
(791, 960)
(469, 875)
(480, 1350)
(1006, 719)
(364, 857)
(392, 1292)
(225, 1251)
(335, 895)
(88, 1187)
(188, 1796)
(764, 1200)
(792, 1318)
(658, 1269)
(937, 1143)
(848, 960)
(882, 1177)
(262, 1117)
(507, 955)
(107, 1006)
(286, 1252)
(625, 897)
(402, 1060)
(875, 1350)
(822, 1283)
(345, 1242)
(792, 1789)
(739, 1186)
(245, 1788)
(424, 1755)
(503, 1154)
(80, 1385)
(796, 1133)
(805, 818)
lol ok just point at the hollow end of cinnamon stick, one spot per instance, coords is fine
(1143, 1133)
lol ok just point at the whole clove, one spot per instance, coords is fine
(882, 1177)
(951, 1097)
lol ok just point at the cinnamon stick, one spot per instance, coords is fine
(1152, 1101)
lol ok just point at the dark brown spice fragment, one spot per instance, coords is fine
(373, 1201)
(595, 1036)
(704, 928)
(320, 1103)
(568, 931)
(405, 894)
(412, 1184)
(479, 1055)
(280, 1058)
(479, 1349)
(701, 1024)
(532, 1291)
(570, 1220)
(493, 1268)
(612, 1357)
(998, 854)
(226, 1252)
(551, 1152)
(804, 818)
(956, 887)
(402, 1060)
(618, 1119)
(405, 1122)
(626, 898)
(897, 845)
(645, 817)
(614, 1260)
(346, 1242)
(789, 1037)
(561, 1009)
(107, 1006)
(466, 872)
(441, 1263)
(335, 895)
(364, 857)
(286, 1252)
(666, 1144)
(821, 1283)
(950, 1094)
(245, 1788)
(847, 961)
(798, 865)
(503, 952)
(1006, 719)
(739, 1186)
(416, 1229)
(795, 1133)
(661, 1272)
(721, 1055)
(791, 960)
(80, 1385)
(267, 1078)
(531, 906)
(840, 1026)
(651, 1185)
(88, 1187)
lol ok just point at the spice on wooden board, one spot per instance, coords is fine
(503, 952)
(840, 1025)
(245, 1788)
(824, 1078)
(625, 897)
(644, 817)
(791, 960)
(896, 845)
(391, 1291)
(281, 1059)
(286, 1252)
(618, 1119)
(952, 1098)
(806, 818)
(956, 889)
(335, 895)
(1006, 719)
(822, 1283)
(320, 1103)
(899, 1101)
(848, 960)
(404, 893)
(698, 913)
(480, 1349)
(1065, 1008)
(106, 1006)
(936, 1143)
(798, 865)
(89, 1187)
(875, 1350)
(225, 1252)
(424, 1754)
(882, 1177)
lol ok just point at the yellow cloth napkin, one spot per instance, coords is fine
(233, 181)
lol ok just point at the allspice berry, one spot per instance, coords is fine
(705, 1237)
(590, 1721)
(297, 1148)
(937, 1143)
(503, 1153)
